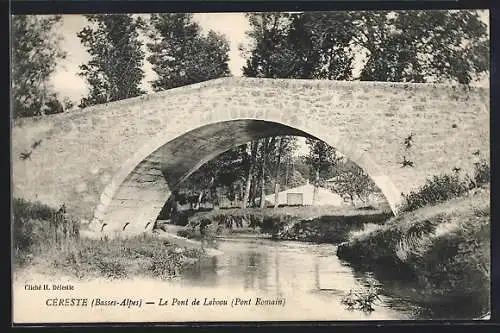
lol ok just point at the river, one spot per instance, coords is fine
(252, 279)
(309, 276)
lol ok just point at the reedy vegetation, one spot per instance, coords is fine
(49, 242)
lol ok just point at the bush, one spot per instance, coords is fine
(438, 189)
(186, 233)
(313, 223)
(274, 224)
(444, 187)
(181, 218)
(111, 268)
(327, 229)
(482, 173)
(460, 260)
(165, 269)
(361, 299)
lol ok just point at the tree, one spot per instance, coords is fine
(268, 57)
(115, 69)
(282, 152)
(269, 53)
(323, 43)
(281, 146)
(351, 180)
(223, 175)
(265, 146)
(249, 169)
(53, 105)
(422, 46)
(304, 46)
(181, 55)
(35, 53)
(293, 46)
(321, 159)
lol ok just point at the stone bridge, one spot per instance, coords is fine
(117, 163)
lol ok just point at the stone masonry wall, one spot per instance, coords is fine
(84, 157)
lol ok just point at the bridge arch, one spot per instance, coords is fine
(86, 158)
(139, 189)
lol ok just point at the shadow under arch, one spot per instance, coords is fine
(137, 192)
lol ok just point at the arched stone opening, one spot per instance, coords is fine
(137, 192)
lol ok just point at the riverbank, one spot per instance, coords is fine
(320, 224)
(49, 242)
(443, 249)
(331, 229)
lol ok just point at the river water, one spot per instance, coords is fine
(309, 276)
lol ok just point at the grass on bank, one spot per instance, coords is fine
(445, 248)
(49, 242)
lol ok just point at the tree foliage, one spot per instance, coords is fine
(352, 181)
(115, 69)
(181, 54)
(422, 46)
(269, 53)
(322, 159)
(219, 179)
(35, 53)
(323, 45)
(401, 46)
(305, 46)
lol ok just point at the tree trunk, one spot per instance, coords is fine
(212, 188)
(173, 208)
(265, 150)
(215, 198)
(287, 168)
(276, 178)
(316, 184)
(253, 156)
(262, 183)
(253, 192)
(246, 195)
(198, 202)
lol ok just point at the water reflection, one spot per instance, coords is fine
(310, 273)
